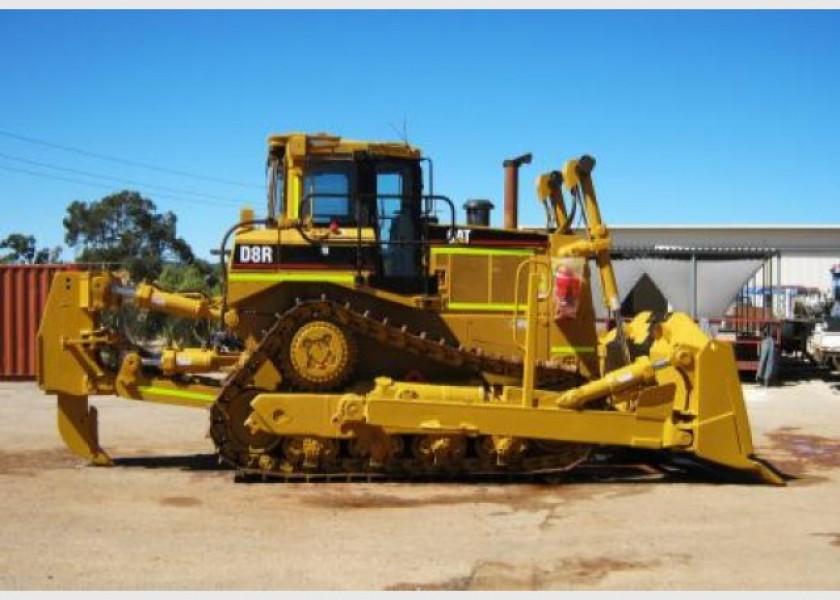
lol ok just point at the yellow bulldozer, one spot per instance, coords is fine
(379, 338)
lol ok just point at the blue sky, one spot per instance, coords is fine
(697, 117)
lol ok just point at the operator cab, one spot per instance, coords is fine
(369, 200)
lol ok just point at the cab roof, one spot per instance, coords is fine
(301, 144)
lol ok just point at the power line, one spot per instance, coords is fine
(123, 161)
(100, 185)
(117, 179)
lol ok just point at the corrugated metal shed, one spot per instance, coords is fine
(806, 252)
(23, 295)
(699, 281)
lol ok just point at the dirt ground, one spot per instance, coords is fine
(167, 518)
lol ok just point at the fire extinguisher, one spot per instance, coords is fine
(567, 285)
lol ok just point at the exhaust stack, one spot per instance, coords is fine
(512, 188)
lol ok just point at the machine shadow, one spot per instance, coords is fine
(186, 462)
(603, 474)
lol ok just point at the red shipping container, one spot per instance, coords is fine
(23, 295)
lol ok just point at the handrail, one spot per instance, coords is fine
(528, 261)
(427, 203)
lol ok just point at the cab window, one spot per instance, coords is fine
(327, 195)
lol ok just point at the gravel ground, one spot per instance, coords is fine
(167, 518)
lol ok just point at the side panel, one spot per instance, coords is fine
(479, 285)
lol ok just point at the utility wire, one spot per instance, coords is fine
(35, 163)
(123, 161)
(101, 185)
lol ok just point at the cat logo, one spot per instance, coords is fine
(255, 254)
(462, 236)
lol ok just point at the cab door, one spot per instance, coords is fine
(400, 236)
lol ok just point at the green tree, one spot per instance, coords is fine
(191, 278)
(24, 250)
(125, 229)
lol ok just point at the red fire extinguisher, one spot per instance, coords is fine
(567, 286)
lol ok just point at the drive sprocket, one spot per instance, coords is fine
(318, 355)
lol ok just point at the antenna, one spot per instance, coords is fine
(403, 135)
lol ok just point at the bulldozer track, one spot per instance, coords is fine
(355, 471)
(258, 464)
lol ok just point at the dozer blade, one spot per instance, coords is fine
(710, 399)
(722, 435)
(78, 426)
